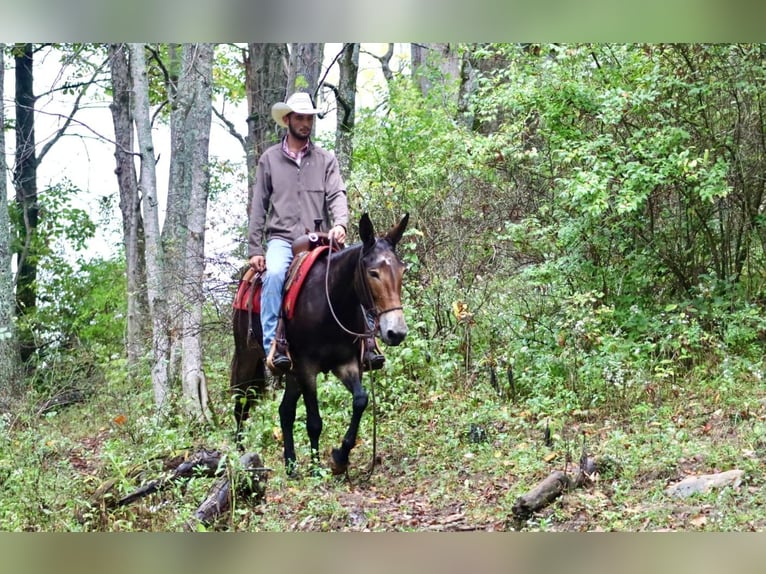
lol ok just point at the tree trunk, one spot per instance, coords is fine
(195, 114)
(9, 371)
(346, 115)
(25, 181)
(153, 246)
(174, 229)
(436, 62)
(265, 80)
(385, 62)
(130, 206)
(304, 68)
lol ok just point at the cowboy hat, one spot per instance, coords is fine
(299, 103)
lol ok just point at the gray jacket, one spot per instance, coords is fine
(287, 197)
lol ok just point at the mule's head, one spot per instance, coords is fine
(383, 272)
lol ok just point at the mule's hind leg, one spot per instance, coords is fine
(248, 386)
(244, 400)
(352, 381)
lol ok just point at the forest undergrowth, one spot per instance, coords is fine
(452, 455)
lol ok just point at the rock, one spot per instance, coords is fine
(704, 483)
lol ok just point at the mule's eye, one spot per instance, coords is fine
(374, 274)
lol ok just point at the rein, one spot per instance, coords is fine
(369, 333)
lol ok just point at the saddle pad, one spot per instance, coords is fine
(296, 281)
(249, 290)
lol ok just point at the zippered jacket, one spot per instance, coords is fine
(288, 197)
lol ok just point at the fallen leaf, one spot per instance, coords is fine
(698, 521)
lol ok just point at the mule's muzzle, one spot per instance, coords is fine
(393, 338)
(393, 329)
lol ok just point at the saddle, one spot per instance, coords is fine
(306, 250)
(248, 295)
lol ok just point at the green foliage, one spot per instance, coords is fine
(229, 72)
(79, 320)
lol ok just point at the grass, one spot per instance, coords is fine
(452, 457)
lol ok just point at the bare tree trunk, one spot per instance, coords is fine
(346, 98)
(265, 80)
(304, 68)
(9, 367)
(130, 206)
(174, 228)
(25, 181)
(154, 253)
(195, 111)
(436, 62)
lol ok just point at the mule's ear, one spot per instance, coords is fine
(395, 233)
(366, 231)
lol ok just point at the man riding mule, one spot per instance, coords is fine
(297, 183)
(326, 324)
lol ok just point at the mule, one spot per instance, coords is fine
(342, 293)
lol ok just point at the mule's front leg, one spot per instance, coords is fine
(287, 420)
(313, 419)
(352, 380)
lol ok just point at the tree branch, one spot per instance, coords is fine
(327, 70)
(87, 127)
(70, 118)
(231, 128)
(385, 61)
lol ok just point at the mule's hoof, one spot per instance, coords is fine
(291, 470)
(336, 465)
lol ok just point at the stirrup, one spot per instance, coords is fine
(278, 362)
(373, 361)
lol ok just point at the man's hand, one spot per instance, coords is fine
(258, 262)
(338, 234)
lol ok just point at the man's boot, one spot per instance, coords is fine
(279, 361)
(372, 359)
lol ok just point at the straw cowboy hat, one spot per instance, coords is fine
(299, 103)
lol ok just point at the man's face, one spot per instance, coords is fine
(300, 125)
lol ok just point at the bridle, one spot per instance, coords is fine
(366, 295)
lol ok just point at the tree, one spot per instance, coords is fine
(304, 68)
(25, 181)
(436, 63)
(156, 294)
(190, 126)
(130, 205)
(262, 70)
(27, 161)
(9, 370)
(175, 252)
(345, 96)
(265, 79)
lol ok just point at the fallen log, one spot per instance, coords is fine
(249, 485)
(201, 463)
(549, 489)
(249, 475)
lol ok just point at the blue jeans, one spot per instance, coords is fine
(279, 255)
